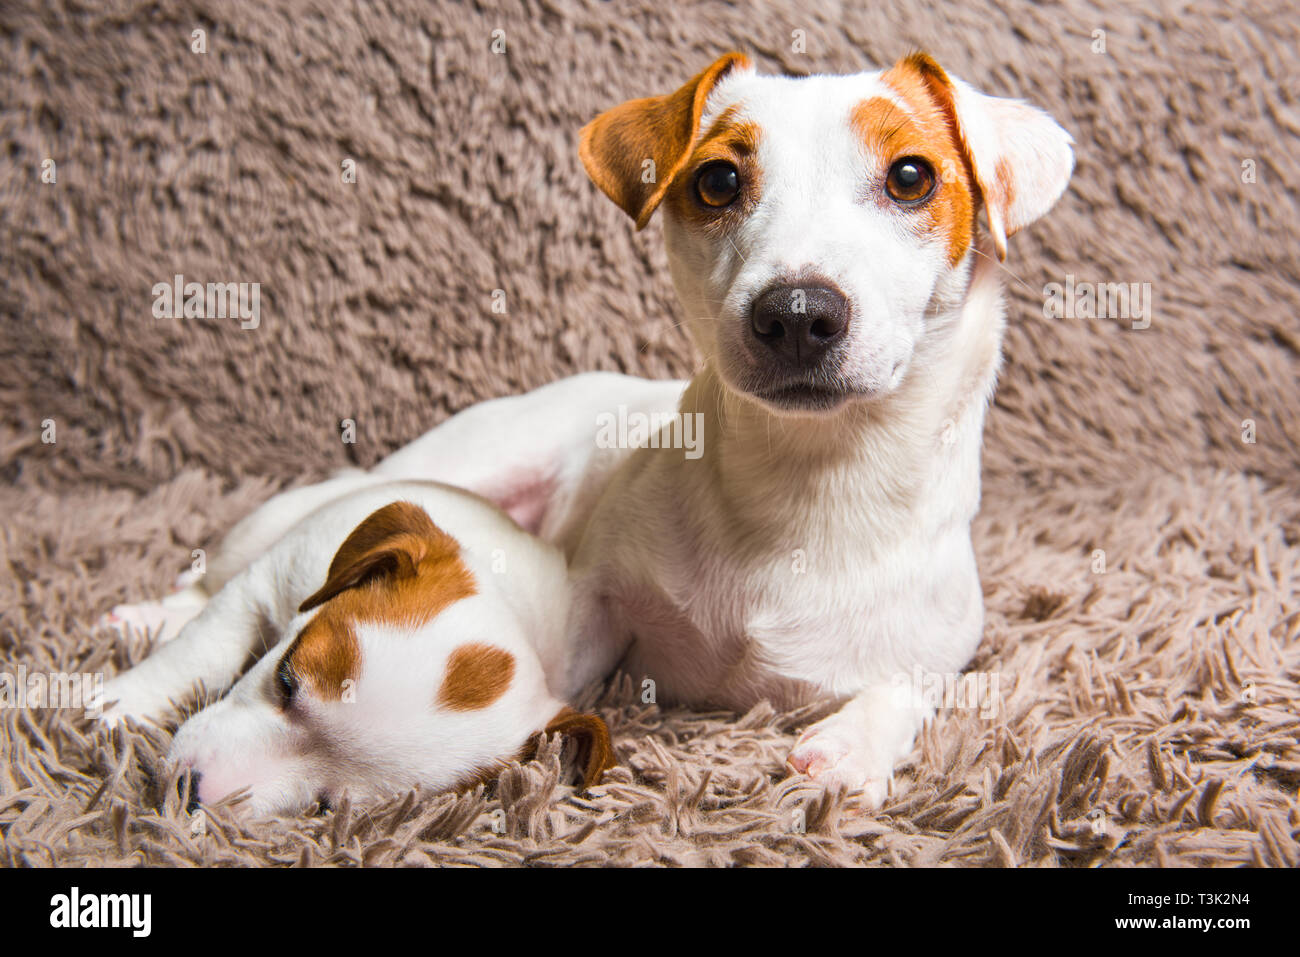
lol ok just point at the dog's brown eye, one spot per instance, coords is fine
(910, 181)
(717, 184)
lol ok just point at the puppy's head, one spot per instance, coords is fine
(818, 226)
(405, 668)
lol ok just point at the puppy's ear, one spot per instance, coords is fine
(634, 151)
(390, 544)
(1021, 157)
(595, 754)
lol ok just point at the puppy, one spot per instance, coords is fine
(423, 654)
(822, 237)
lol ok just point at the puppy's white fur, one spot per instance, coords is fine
(387, 732)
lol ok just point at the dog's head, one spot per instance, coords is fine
(405, 668)
(816, 225)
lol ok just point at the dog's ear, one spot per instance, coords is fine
(390, 544)
(1021, 157)
(634, 151)
(595, 754)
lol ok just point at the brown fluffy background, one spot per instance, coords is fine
(1127, 692)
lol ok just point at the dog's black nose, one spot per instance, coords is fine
(800, 322)
(188, 787)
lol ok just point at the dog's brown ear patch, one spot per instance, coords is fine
(390, 543)
(595, 753)
(1019, 157)
(399, 546)
(477, 675)
(634, 151)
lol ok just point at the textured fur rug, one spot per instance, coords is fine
(1141, 560)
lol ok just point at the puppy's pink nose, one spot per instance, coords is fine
(799, 323)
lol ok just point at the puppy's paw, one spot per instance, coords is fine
(837, 755)
(159, 620)
(127, 699)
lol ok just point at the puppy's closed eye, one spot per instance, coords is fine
(286, 682)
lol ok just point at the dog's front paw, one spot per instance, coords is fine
(125, 699)
(836, 754)
(161, 621)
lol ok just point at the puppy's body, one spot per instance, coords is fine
(392, 686)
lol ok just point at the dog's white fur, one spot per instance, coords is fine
(808, 553)
(385, 732)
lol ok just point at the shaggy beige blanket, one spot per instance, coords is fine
(1140, 535)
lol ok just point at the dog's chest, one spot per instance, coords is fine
(728, 628)
(721, 640)
(702, 666)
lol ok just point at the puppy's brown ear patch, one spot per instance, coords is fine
(396, 545)
(390, 543)
(477, 675)
(634, 151)
(595, 753)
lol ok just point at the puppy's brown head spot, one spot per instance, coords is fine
(477, 675)
(325, 655)
(397, 567)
